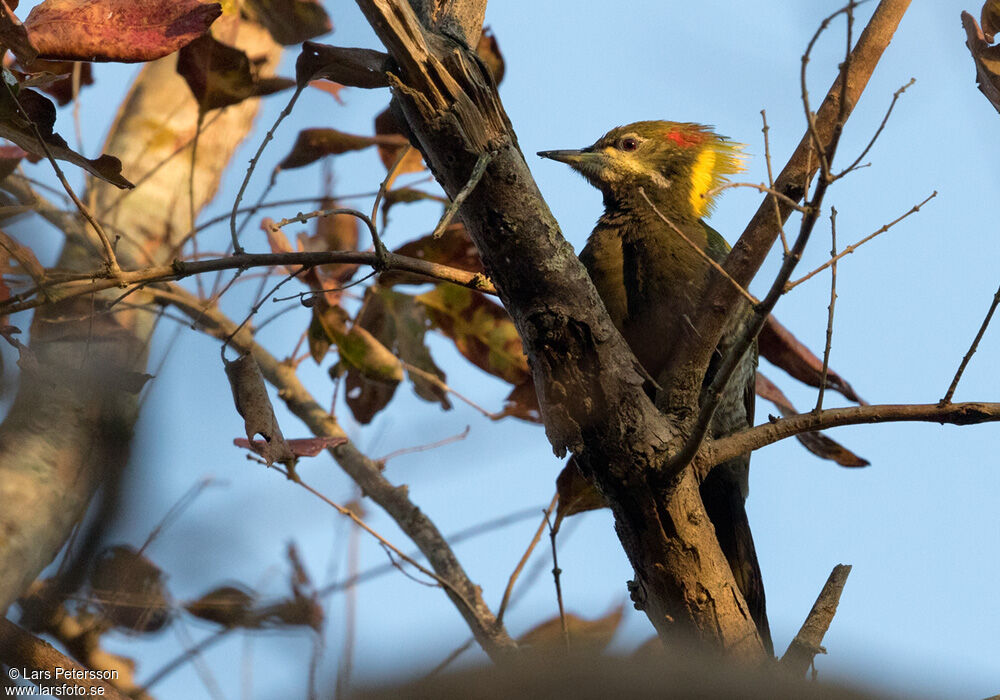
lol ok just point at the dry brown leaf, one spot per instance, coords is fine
(576, 493)
(481, 330)
(362, 68)
(289, 21)
(220, 75)
(386, 125)
(55, 78)
(313, 144)
(489, 51)
(15, 125)
(229, 606)
(253, 403)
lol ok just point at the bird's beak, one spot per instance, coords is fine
(570, 156)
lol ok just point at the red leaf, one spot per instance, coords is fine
(117, 30)
(313, 144)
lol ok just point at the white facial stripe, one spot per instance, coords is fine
(621, 164)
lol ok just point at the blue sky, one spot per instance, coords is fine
(919, 614)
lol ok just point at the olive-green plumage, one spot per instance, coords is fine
(651, 279)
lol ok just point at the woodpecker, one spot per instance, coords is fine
(659, 180)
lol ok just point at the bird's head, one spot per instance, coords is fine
(675, 163)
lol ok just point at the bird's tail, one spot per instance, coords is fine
(723, 496)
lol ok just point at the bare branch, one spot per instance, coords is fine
(800, 653)
(365, 472)
(179, 270)
(237, 248)
(524, 558)
(456, 203)
(946, 400)
(885, 120)
(690, 356)
(854, 246)
(829, 316)
(770, 181)
(968, 413)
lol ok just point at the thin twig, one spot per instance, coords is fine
(456, 204)
(829, 317)
(184, 657)
(192, 210)
(851, 248)
(237, 248)
(347, 512)
(885, 119)
(810, 115)
(713, 395)
(448, 660)
(762, 188)
(524, 558)
(718, 268)
(346, 665)
(437, 381)
(390, 177)
(972, 350)
(968, 413)
(255, 308)
(423, 448)
(556, 573)
(770, 181)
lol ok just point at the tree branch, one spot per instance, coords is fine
(806, 644)
(365, 472)
(690, 355)
(969, 413)
(590, 387)
(179, 270)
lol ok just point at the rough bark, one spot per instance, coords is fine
(589, 385)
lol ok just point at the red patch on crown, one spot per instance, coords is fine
(686, 139)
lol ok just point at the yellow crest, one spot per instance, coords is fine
(718, 159)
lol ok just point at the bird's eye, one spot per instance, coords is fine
(628, 144)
